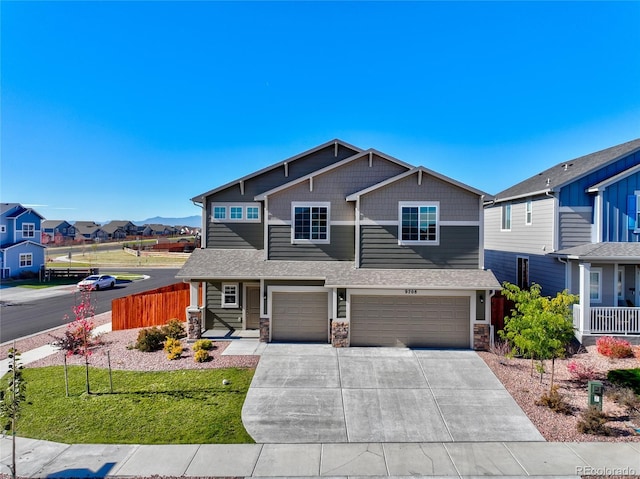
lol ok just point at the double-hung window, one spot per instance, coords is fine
(310, 223)
(28, 230)
(506, 217)
(26, 260)
(419, 223)
(230, 295)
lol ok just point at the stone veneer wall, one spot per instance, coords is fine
(264, 330)
(481, 334)
(194, 324)
(340, 334)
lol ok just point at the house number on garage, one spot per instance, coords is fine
(410, 291)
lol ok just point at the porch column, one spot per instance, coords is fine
(194, 296)
(585, 298)
(194, 313)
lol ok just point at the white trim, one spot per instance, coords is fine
(369, 222)
(528, 212)
(296, 289)
(598, 272)
(3, 228)
(343, 223)
(419, 204)
(356, 236)
(29, 260)
(235, 304)
(460, 223)
(227, 205)
(33, 231)
(503, 209)
(597, 217)
(618, 270)
(481, 236)
(614, 179)
(265, 240)
(574, 209)
(310, 204)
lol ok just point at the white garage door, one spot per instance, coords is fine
(300, 316)
(412, 321)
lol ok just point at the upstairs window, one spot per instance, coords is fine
(310, 223)
(253, 213)
(28, 230)
(235, 213)
(506, 217)
(219, 213)
(419, 223)
(528, 212)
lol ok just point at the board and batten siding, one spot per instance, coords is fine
(615, 215)
(276, 177)
(544, 270)
(458, 249)
(340, 248)
(524, 238)
(575, 226)
(217, 317)
(235, 235)
(456, 204)
(334, 186)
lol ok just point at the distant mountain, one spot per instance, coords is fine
(161, 220)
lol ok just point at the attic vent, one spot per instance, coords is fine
(548, 181)
(565, 167)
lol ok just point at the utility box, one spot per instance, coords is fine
(596, 393)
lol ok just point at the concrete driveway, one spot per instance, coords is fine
(311, 393)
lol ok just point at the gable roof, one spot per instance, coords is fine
(16, 209)
(199, 198)
(417, 170)
(602, 252)
(333, 166)
(603, 185)
(46, 224)
(5, 207)
(566, 172)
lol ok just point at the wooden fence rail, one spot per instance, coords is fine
(151, 308)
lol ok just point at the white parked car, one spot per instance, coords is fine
(97, 281)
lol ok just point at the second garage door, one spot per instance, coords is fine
(300, 316)
(412, 321)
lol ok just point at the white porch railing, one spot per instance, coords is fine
(613, 320)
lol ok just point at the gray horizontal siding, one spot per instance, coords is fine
(458, 249)
(217, 317)
(544, 270)
(341, 247)
(276, 177)
(235, 235)
(575, 228)
(456, 204)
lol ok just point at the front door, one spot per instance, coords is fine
(253, 307)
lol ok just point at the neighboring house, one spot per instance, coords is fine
(345, 246)
(57, 231)
(158, 230)
(117, 230)
(88, 230)
(21, 250)
(575, 226)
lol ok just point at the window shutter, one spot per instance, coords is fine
(632, 211)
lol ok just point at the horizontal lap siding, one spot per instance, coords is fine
(341, 247)
(458, 249)
(217, 317)
(544, 270)
(235, 236)
(575, 228)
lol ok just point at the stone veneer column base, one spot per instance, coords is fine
(264, 330)
(194, 324)
(339, 334)
(481, 334)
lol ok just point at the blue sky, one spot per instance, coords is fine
(119, 110)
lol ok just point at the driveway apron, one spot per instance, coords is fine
(311, 393)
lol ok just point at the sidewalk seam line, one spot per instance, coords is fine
(506, 446)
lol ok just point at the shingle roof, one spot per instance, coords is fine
(568, 171)
(245, 264)
(603, 252)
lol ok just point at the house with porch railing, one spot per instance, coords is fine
(575, 226)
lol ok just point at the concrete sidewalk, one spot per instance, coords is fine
(40, 459)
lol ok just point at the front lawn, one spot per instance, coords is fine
(177, 407)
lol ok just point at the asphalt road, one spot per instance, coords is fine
(19, 319)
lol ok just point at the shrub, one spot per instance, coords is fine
(592, 421)
(626, 398)
(626, 377)
(201, 356)
(501, 348)
(580, 371)
(174, 329)
(554, 401)
(150, 339)
(202, 345)
(614, 347)
(173, 348)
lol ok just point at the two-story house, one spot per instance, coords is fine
(575, 226)
(119, 229)
(21, 250)
(347, 246)
(89, 231)
(57, 232)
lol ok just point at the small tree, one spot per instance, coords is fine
(11, 399)
(78, 338)
(540, 327)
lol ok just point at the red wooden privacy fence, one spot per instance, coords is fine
(151, 308)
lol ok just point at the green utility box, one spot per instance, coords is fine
(596, 392)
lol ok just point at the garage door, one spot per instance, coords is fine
(412, 321)
(300, 317)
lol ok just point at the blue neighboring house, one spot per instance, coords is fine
(21, 249)
(575, 226)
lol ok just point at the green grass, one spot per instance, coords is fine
(35, 284)
(177, 407)
(629, 378)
